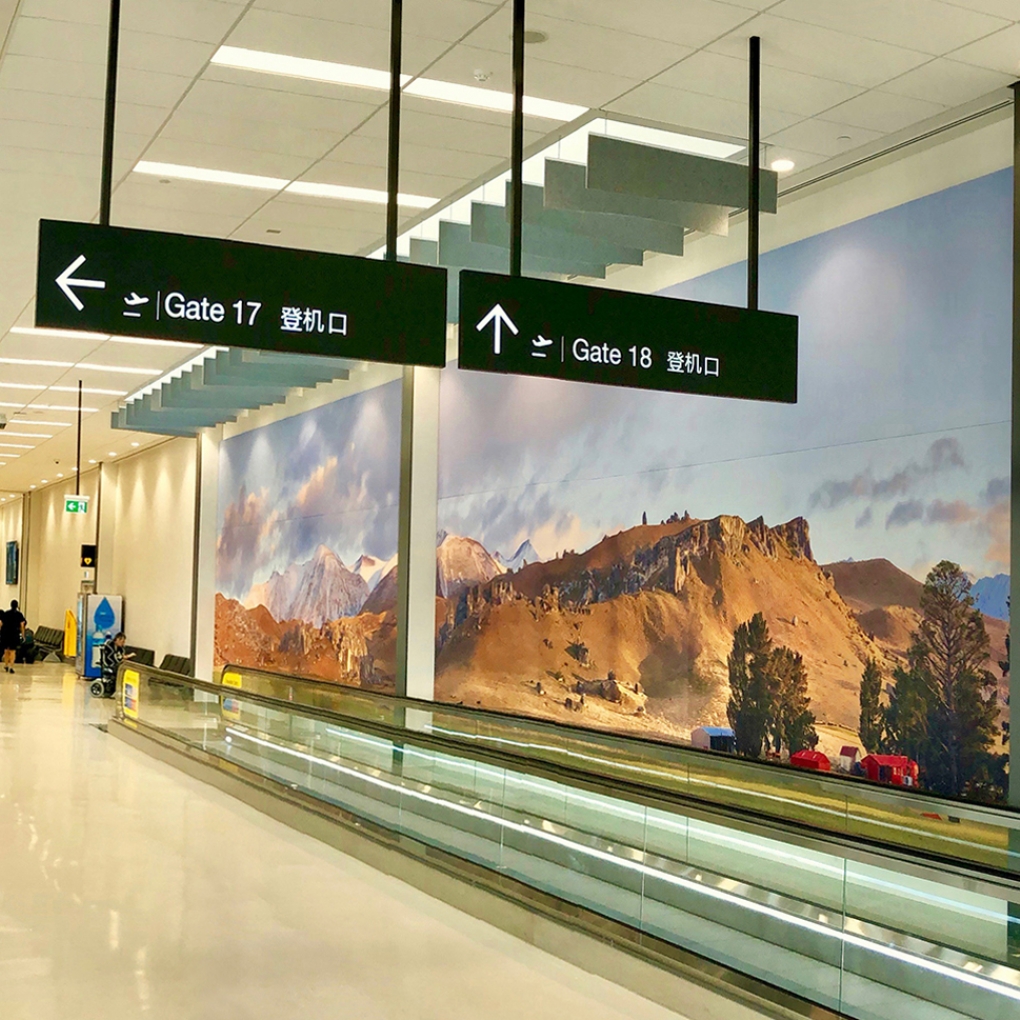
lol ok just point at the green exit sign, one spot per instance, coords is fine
(76, 504)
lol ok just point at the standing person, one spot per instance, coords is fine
(12, 630)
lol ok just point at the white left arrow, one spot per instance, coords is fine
(65, 282)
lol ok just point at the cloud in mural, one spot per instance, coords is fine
(328, 476)
(944, 454)
(904, 513)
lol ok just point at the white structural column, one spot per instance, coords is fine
(204, 621)
(105, 511)
(422, 445)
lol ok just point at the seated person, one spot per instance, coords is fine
(110, 659)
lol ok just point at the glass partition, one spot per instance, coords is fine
(857, 931)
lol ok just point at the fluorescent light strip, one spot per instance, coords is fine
(34, 422)
(369, 78)
(17, 446)
(345, 193)
(123, 369)
(75, 334)
(340, 192)
(87, 389)
(37, 362)
(49, 407)
(60, 389)
(27, 435)
(644, 870)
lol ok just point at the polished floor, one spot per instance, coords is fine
(128, 889)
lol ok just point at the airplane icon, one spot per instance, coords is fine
(540, 341)
(132, 302)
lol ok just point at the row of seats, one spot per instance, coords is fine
(51, 640)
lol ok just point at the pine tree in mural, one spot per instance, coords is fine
(943, 711)
(769, 704)
(872, 717)
(750, 706)
(793, 725)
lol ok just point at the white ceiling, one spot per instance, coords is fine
(838, 75)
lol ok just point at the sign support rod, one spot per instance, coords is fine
(77, 454)
(1014, 614)
(393, 147)
(109, 114)
(517, 143)
(754, 170)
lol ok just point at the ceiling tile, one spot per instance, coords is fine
(821, 52)
(690, 23)
(205, 21)
(589, 46)
(927, 25)
(696, 112)
(882, 112)
(727, 77)
(1003, 8)
(999, 52)
(187, 196)
(822, 136)
(948, 82)
(542, 78)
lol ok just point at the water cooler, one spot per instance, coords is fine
(99, 618)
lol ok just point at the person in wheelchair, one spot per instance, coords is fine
(110, 659)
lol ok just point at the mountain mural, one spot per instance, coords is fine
(372, 570)
(318, 590)
(991, 595)
(643, 621)
(525, 554)
(462, 563)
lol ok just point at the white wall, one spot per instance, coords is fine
(141, 511)
(52, 561)
(10, 531)
(146, 550)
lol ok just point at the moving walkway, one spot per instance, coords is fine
(813, 895)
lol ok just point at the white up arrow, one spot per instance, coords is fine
(65, 283)
(499, 319)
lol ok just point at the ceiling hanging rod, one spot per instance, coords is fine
(109, 114)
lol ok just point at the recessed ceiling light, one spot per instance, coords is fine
(17, 446)
(369, 78)
(31, 486)
(348, 194)
(35, 421)
(45, 481)
(28, 435)
(49, 407)
(113, 453)
(60, 476)
(136, 444)
(782, 166)
(22, 386)
(92, 462)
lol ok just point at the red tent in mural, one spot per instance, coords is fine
(811, 760)
(894, 769)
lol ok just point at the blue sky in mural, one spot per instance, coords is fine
(329, 476)
(898, 446)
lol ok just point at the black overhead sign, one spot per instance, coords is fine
(175, 287)
(589, 334)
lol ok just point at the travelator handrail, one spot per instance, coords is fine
(866, 931)
(916, 822)
(997, 881)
